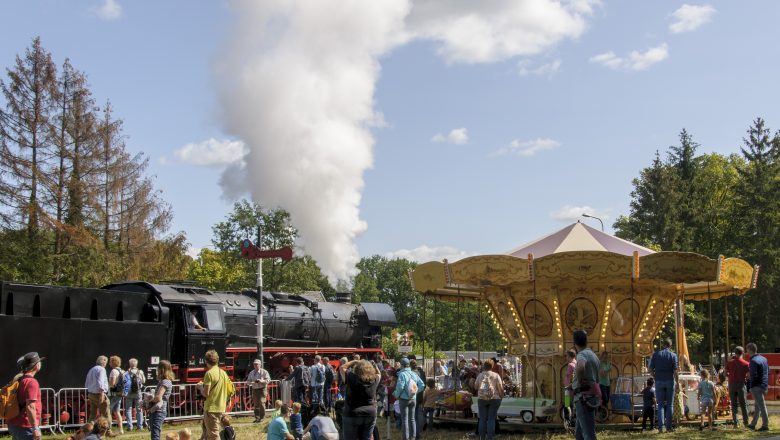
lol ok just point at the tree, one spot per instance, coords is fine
(225, 269)
(24, 129)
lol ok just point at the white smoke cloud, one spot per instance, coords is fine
(296, 80)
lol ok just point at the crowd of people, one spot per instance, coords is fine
(366, 389)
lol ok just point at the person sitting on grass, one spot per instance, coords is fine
(321, 427)
(82, 433)
(277, 429)
(227, 432)
(100, 429)
(185, 434)
(706, 395)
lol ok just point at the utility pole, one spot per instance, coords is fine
(253, 252)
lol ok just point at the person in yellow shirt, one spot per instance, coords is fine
(215, 388)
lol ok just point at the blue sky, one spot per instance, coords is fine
(484, 145)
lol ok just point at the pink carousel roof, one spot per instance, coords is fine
(578, 237)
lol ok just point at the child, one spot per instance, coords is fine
(227, 432)
(185, 434)
(429, 401)
(82, 433)
(172, 436)
(706, 395)
(296, 423)
(571, 365)
(277, 406)
(648, 403)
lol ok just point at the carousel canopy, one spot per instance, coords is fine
(581, 278)
(578, 237)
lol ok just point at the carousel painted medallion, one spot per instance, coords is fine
(538, 318)
(581, 315)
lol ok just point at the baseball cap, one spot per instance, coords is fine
(404, 362)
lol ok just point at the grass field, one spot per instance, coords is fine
(246, 430)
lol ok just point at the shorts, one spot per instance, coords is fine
(116, 402)
(706, 404)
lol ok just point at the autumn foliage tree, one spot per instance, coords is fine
(76, 207)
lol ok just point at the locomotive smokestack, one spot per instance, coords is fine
(344, 297)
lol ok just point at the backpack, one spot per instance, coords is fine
(305, 376)
(319, 376)
(411, 386)
(486, 390)
(132, 382)
(121, 384)
(9, 402)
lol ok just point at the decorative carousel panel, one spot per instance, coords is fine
(736, 273)
(678, 267)
(429, 277)
(583, 265)
(620, 348)
(538, 319)
(541, 349)
(490, 270)
(581, 314)
(654, 313)
(644, 349)
(624, 317)
(510, 320)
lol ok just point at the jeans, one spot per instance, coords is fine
(19, 433)
(760, 407)
(737, 395)
(300, 394)
(664, 392)
(408, 423)
(488, 410)
(418, 416)
(133, 401)
(358, 428)
(586, 421)
(604, 395)
(316, 394)
(327, 397)
(156, 420)
(428, 414)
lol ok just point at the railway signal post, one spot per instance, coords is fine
(251, 251)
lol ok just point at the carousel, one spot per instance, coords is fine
(579, 278)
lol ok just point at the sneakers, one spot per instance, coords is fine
(763, 428)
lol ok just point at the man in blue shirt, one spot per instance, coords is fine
(317, 380)
(759, 384)
(664, 367)
(277, 429)
(97, 390)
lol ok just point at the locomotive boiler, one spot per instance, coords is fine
(176, 321)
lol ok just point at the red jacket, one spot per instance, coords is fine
(737, 370)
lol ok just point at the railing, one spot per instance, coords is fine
(68, 408)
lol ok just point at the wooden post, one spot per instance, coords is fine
(709, 304)
(726, 313)
(742, 318)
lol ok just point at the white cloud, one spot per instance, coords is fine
(425, 253)
(569, 213)
(635, 60)
(525, 68)
(527, 148)
(109, 10)
(483, 31)
(691, 17)
(458, 136)
(212, 152)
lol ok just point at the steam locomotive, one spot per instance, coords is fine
(179, 322)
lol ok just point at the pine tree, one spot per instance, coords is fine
(24, 129)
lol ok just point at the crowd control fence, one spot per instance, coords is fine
(68, 408)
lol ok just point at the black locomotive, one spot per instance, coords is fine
(176, 321)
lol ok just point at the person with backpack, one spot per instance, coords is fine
(217, 389)
(406, 388)
(490, 391)
(317, 374)
(330, 375)
(296, 379)
(20, 400)
(134, 386)
(116, 384)
(359, 412)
